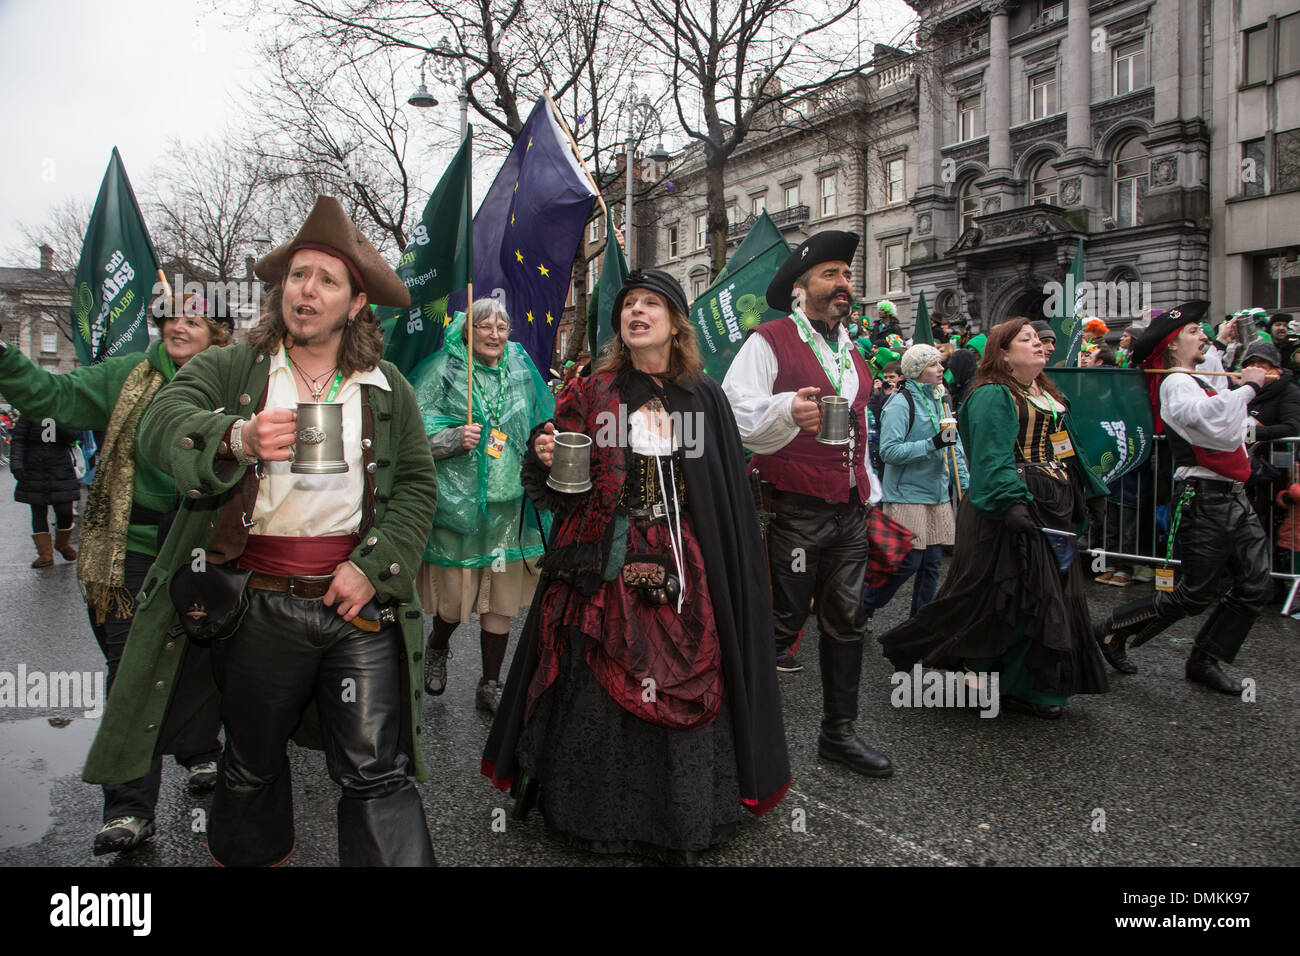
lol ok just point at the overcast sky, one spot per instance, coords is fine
(78, 77)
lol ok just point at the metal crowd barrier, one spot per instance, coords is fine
(1143, 516)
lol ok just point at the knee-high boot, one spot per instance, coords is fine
(841, 664)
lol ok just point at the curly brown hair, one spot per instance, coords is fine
(684, 362)
(993, 368)
(360, 350)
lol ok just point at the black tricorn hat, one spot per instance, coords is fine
(829, 246)
(1164, 327)
(328, 229)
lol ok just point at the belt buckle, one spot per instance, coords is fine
(658, 511)
(296, 579)
(1238, 487)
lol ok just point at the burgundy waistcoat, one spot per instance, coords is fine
(805, 465)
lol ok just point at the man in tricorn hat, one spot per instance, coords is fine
(329, 648)
(1222, 544)
(821, 493)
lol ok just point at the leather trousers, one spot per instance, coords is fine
(1224, 551)
(288, 653)
(817, 549)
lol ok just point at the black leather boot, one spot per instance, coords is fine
(1112, 648)
(841, 665)
(1219, 639)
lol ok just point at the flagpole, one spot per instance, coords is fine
(469, 330)
(573, 145)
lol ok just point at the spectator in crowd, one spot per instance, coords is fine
(41, 463)
(1047, 336)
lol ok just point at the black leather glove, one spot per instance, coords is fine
(1018, 521)
(946, 437)
(1097, 512)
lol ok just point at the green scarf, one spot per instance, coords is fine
(101, 561)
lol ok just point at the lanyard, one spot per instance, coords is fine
(1050, 410)
(841, 359)
(334, 388)
(1189, 492)
(496, 405)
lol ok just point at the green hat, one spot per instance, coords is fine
(978, 343)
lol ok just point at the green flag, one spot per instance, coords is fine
(1067, 317)
(438, 261)
(115, 274)
(613, 270)
(737, 300)
(1111, 410)
(921, 332)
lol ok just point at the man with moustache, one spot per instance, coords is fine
(821, 494)
(330, 647)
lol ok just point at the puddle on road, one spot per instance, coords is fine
(34, 754)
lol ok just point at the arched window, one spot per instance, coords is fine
(1042, 183)
(1130, 173)
(968, 205)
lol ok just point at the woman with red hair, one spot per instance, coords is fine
(1007, 605)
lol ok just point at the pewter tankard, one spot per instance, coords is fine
(318, 445)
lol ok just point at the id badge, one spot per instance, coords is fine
(1061, 446)
(496, 442)
(1164, 579)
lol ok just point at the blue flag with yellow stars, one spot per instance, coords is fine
(527, 231)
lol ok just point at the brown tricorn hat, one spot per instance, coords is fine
(328, 229)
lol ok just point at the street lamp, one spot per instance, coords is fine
(445, 70)
(641, 115)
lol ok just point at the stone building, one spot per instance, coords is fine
(841, 159)
(1255, 156)
(1047, 121)
(35, 310)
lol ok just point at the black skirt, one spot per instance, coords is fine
(1003, 587)
(613, 783)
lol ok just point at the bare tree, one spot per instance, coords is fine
(737, 67)
(63, 230)
(205, 205)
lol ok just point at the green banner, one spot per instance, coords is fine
(737, 300)
(1067, 314)
(115, 274)
(613, 271)
(1111, 411)
(437, 261)
(922, 334)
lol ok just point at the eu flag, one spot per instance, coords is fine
(527, 231)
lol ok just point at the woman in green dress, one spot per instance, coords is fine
(1005, 605)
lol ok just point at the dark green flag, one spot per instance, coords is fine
(115, 275)
(613, 270)
(921, 332)
(438, 261)
(1111, 411)
(1067, 316)
(737, 300)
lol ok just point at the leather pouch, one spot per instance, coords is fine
(649, 574)
(212, 602)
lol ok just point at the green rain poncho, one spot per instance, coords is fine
(482, 516)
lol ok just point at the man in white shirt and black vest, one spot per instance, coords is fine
(821, 493)
(1223, 547)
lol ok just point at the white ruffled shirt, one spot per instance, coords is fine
(1215, 423)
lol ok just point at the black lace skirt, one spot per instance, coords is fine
(613, 783)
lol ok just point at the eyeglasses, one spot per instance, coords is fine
(489, 327)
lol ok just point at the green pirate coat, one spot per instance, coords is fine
(181, 432)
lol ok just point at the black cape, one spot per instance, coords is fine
(723, 516)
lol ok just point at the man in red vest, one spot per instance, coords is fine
(822, 493)
(1223, 546)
